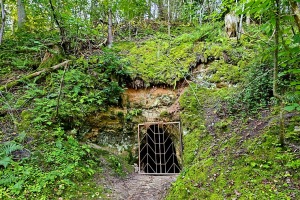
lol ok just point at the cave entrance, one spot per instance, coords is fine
(160, 148)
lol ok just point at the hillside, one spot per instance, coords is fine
(73, 104)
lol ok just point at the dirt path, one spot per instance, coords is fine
(142, 187)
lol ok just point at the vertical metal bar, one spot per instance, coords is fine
(139, 148)
(147, 142)
(155, 151)
(163, 149)
(181, 143)
(173, 158)
(159, 143)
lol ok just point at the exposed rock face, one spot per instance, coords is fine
(117, 127)
(163, 100)
(112, 128)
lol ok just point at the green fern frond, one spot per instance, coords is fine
(7, 179)
(9, 147)
(5, 161)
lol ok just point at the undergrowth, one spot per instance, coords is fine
(223, 162)
(43, 119)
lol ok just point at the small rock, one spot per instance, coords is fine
(136, 168)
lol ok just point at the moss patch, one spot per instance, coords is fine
(223, 162)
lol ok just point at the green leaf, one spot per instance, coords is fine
(296, 37)
(5, 161)
(295, 83)
(292, 107)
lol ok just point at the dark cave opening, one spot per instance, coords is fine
(157, 152)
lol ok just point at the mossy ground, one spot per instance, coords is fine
(163, 59)
(223, 160)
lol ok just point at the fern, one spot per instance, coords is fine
(7, 179)
(5, 161)
(10, 147)
(5, 150)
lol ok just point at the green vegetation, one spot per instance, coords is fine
(64, 67)
(166, 60)
(41, 123)
(224, 157)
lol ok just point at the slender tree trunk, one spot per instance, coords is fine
(64, 42)
(191, 6)
(201, 12)
(248, 22)
(169, 16)
(3, 17)
(240, 27)
(110, 35)
(275, 71)
(21, 13)
(296, 11)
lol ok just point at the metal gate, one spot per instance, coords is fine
(160, 148)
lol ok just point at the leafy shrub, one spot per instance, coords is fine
(256, 93)
(51, 171)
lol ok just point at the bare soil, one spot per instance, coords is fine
(142, 187)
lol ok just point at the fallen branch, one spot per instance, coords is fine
(35, 74)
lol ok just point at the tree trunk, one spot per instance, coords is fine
(110, 35)
(240, 27)
(190, 13)
(3, 17)
(21, 13)
(169, 16)
(248, 22)
(275, 71)
(64, 43)
(296, 11)
(201, 12)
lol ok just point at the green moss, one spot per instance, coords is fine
(26, 119)
(52, 60)
(223, 72)
(221, 164)
(165, 60)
